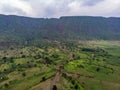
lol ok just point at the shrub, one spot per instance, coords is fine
(54, 87)
(23, 74)
(76, 87)
(23, 56)
(98, 69)
(6, 85)
(43, 78)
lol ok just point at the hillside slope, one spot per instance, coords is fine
(18, 28)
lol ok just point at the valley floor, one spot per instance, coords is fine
(53, 65)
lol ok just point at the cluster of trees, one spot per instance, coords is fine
(75, 83)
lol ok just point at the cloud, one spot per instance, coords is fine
(12, 10)
(91, 2)
(19, 7)
(57, 8)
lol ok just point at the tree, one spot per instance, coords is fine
(6, 85)
(43, 78)
(98, 69)
(23, 56)
(76, 87)
(23, 74)
(54, 87)
(4, 59)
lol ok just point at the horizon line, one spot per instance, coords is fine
(58, 17)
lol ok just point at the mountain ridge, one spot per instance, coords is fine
(19, 28)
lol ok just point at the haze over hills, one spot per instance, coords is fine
(18, 28)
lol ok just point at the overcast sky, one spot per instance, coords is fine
(57, 8)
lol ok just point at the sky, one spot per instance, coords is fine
(58, 8)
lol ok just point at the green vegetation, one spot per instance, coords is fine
(68, 53)
(70, 65)
(25, 30)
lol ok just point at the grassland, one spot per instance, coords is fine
(81, 65)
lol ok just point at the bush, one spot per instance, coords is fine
(43, 78)
(98, 69)
(54, 87)
(6, 85)
(73, 82)
(76, 87)
(55, 55)
(23, 74)
(3, 77)
(4, 59)
(23, 56)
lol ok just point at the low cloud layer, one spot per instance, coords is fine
(57, 8)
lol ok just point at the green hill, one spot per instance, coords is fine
(18, 28)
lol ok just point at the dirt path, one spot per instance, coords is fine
(48, 84)
(55, 78)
